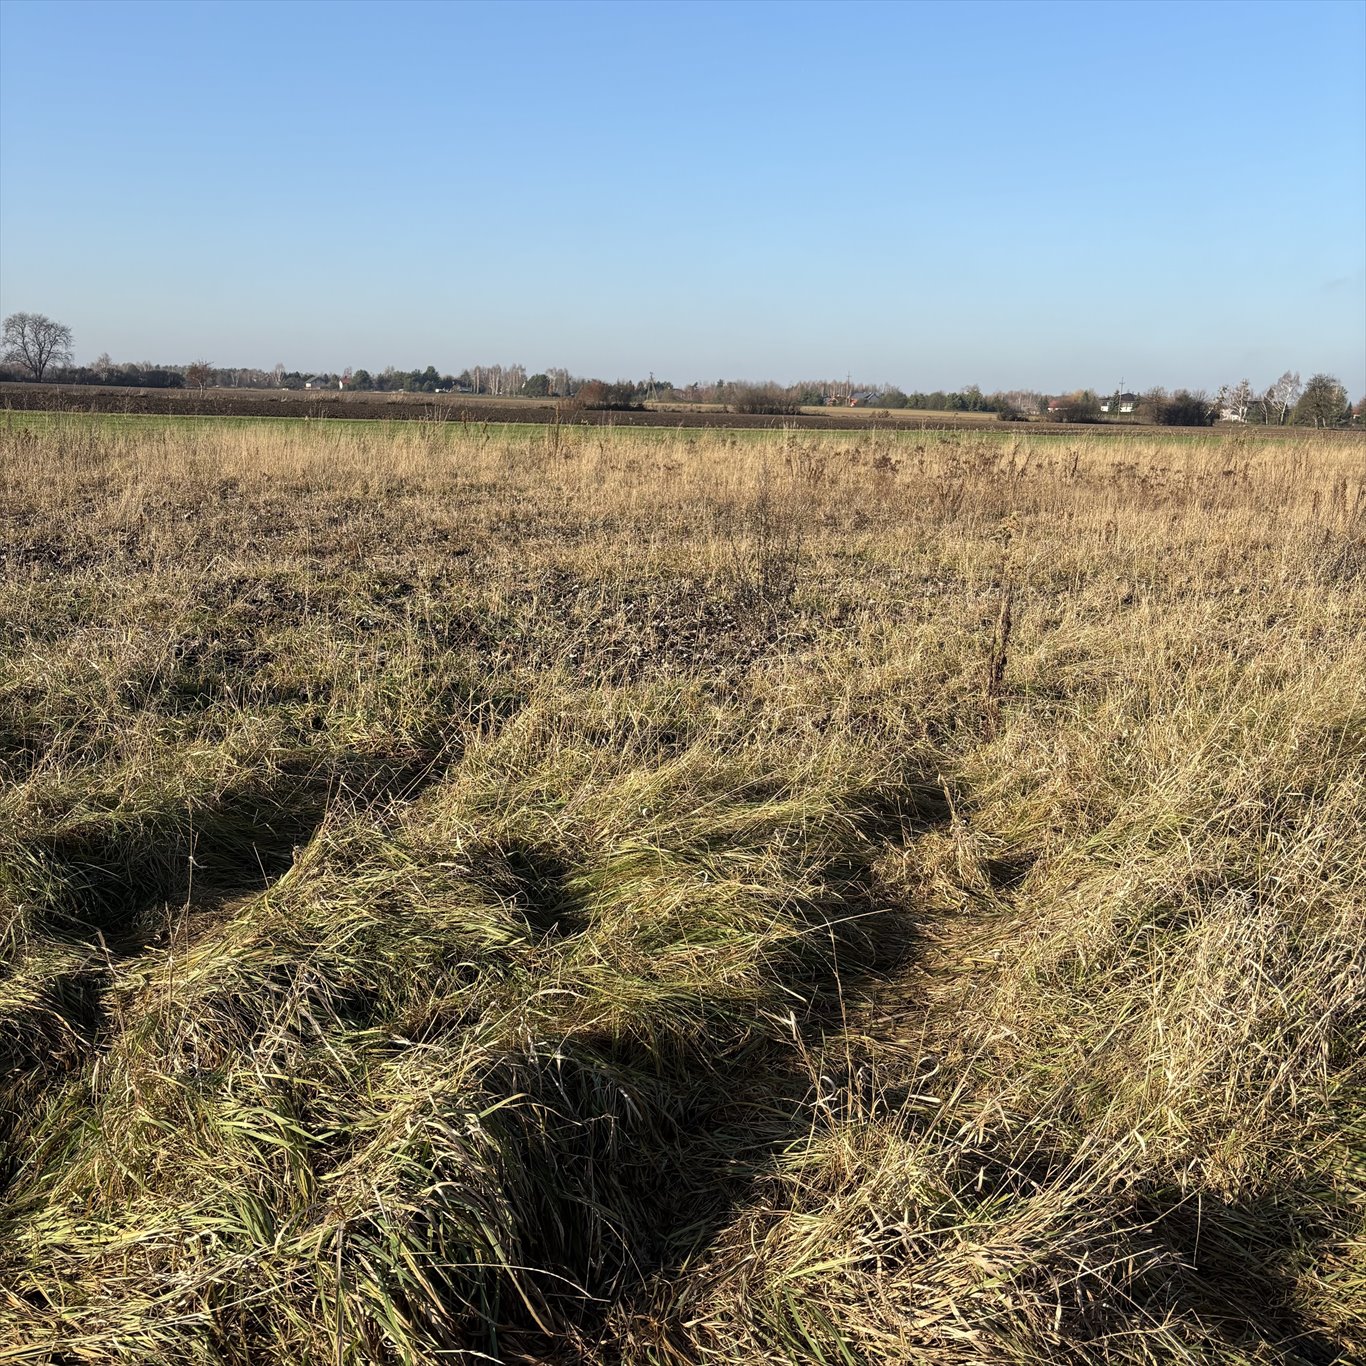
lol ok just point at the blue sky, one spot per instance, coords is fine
(1040, 195)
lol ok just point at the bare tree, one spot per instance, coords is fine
(36, 342)
(1282, 396)
(1235, 400)
(199, 373)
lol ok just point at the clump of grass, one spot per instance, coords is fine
(466, 1099)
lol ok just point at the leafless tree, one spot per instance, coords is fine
(1282, 396)
(36, 342)
(1235, 400)
(199, 373)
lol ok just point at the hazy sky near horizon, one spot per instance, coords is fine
(1014, 195)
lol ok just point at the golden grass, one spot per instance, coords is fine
(670, 897)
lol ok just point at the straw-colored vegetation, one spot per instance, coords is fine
(659, 897)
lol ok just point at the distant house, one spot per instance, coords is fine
(1127, 403)
(863, 399)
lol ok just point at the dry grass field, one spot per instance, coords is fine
(657, 897)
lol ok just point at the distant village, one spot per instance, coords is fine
(1321, 400)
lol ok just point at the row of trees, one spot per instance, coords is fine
(1323, 402)
(510, 381)
(39, 348)
(1184, 408)
(968, 400)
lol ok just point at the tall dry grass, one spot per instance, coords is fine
(677, 897)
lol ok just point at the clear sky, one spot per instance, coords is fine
(1013, 195)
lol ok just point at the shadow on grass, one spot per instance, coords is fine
(1239, 1279)
(655, 1143)
(537, 885)
(113, 887)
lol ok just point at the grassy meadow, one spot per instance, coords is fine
(558, 895)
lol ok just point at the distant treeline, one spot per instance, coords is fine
(969, 400)
(1323, 401)
(144, 376)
